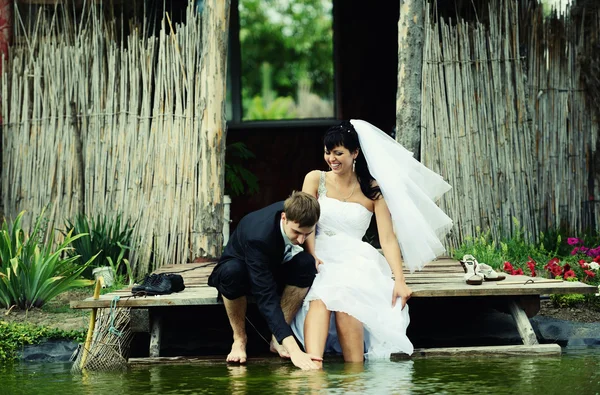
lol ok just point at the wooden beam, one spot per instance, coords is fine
(537, 350)
(523, 325)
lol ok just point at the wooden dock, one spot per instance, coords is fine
(439, 279)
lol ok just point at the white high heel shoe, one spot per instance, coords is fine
(470, 264)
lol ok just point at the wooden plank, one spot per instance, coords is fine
(537, 350)
(523, 325)
(423, 284)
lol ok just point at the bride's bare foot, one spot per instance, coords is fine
(238, 351)
(277, 348)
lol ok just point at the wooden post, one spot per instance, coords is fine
(410, 63)
(523, 325)
(207, 237)
(155, 335)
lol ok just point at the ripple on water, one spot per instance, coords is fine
(576, 371)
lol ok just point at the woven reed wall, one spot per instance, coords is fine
(505, 121)
(134, 126)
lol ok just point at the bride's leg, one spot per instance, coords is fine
(316, 328)
(351, 335)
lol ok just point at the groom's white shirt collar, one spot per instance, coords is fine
(290, 249)
(286, 239)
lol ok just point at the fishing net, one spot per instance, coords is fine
(111, 339)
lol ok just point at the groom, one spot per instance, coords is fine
(263, 258)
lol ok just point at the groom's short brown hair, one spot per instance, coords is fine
(302, 208)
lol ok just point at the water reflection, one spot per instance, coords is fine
(237, 378)
(576, 372)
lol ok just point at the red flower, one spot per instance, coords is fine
(583, 264)
(508, 267)
(533, 273)
(553, 261)
(531, 265)
(589, 273)
(597, 259)
(569, 274)
(574, 250)
(516, 272)
(567, 267)
(556, 270)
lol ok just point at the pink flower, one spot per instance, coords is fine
(569, 274)
(574, 250)
(573, 241)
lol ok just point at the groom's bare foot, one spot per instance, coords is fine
(277, 348)
(238, 351)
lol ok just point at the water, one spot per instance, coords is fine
(577, 371)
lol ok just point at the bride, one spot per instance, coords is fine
(352, 307)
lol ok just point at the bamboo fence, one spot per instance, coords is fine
(135, 106)
(566, 128)
(504, 120)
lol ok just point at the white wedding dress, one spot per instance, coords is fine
(355, 279)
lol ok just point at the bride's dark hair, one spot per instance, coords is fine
(345, 135)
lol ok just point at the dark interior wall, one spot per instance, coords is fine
(366, 68)
(366, 60)
(284, 154)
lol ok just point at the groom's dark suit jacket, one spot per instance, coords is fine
(257, 241)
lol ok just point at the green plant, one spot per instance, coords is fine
(32, 273)
(14, 336)
(516, 249)
(567, 300)
(238, 179)
(101, 237)
(116, 266)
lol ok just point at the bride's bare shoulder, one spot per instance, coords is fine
(311, 182)
(313, 176)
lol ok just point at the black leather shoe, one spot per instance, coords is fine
(160, 284)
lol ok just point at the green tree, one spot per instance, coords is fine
(295, 38)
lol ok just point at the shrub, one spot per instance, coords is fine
(109, 240)
(567, 300)
(33, 272)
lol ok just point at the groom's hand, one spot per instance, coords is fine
(402, 291)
